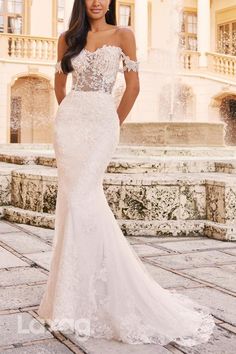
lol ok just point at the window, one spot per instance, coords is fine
(11, 16)
(60, 16)
(124, 15)
(226, 38)
(125, 12)
(188, 37)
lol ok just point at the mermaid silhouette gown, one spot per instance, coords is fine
(97, 285)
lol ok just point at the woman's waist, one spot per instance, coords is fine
(89, 99)
(91, 95)
(77, 90)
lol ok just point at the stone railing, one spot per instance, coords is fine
(189, 60)
(222, 64)
(15, 46)
(219, 64)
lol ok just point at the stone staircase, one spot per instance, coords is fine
(152, 191)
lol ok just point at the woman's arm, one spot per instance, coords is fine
(128, 45)
(60, 78)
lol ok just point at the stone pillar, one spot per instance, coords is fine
(141, 29)
(68, 10)
(204, 30)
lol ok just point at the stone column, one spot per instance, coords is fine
(204, 30)
(68, 10)
(141, 29)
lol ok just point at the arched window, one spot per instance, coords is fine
(11, 16)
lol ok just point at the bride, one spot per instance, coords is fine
(97, 285)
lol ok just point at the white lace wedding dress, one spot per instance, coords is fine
(96, 278)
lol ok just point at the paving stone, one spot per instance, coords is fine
(18, 294)
(45, 347)
(102, 346)
(230, 251)
(17, 276)
(145, 250)
(190, 260)
(132, 240)
(7, 259)
(168, 279)
(149, 239)
(19, 328)
(14, 297)
(230, 267)
(43, 259)
(215, 275)
(44, 233)
(5, 227)
(195, 245)
(228, 327)
(221, 342)
(173, 349)
(222, 305)
(23, 243)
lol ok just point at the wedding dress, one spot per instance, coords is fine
(95, 277)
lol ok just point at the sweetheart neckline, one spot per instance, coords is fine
(103, 46)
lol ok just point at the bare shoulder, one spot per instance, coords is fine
(128, 42)
(127, 38)
(126, 34)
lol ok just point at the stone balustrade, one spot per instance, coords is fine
(219, 64)
(189, 60)
(28, 48)
(222, 64)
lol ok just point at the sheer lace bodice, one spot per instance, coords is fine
(97, 71)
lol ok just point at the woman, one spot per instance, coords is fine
(97, 285)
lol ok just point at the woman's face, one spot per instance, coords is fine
(96, 9)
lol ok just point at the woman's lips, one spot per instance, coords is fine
(96, 11)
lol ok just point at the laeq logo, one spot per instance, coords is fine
(81, 326)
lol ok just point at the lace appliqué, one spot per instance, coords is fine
(96, 71)
(101, 326)
(129, 64)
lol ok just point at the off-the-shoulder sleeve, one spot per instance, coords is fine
(58, 68)
(129, 64)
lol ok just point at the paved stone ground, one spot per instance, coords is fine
(202, 268)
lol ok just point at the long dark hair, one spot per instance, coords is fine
(76, 35)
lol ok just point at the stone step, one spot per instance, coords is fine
(26, 157)
(26, 146)
(161, 197)
(133, 150)
(172, 165)
(30, 182)
(124, 150)
(153, 228)
(136, 164)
